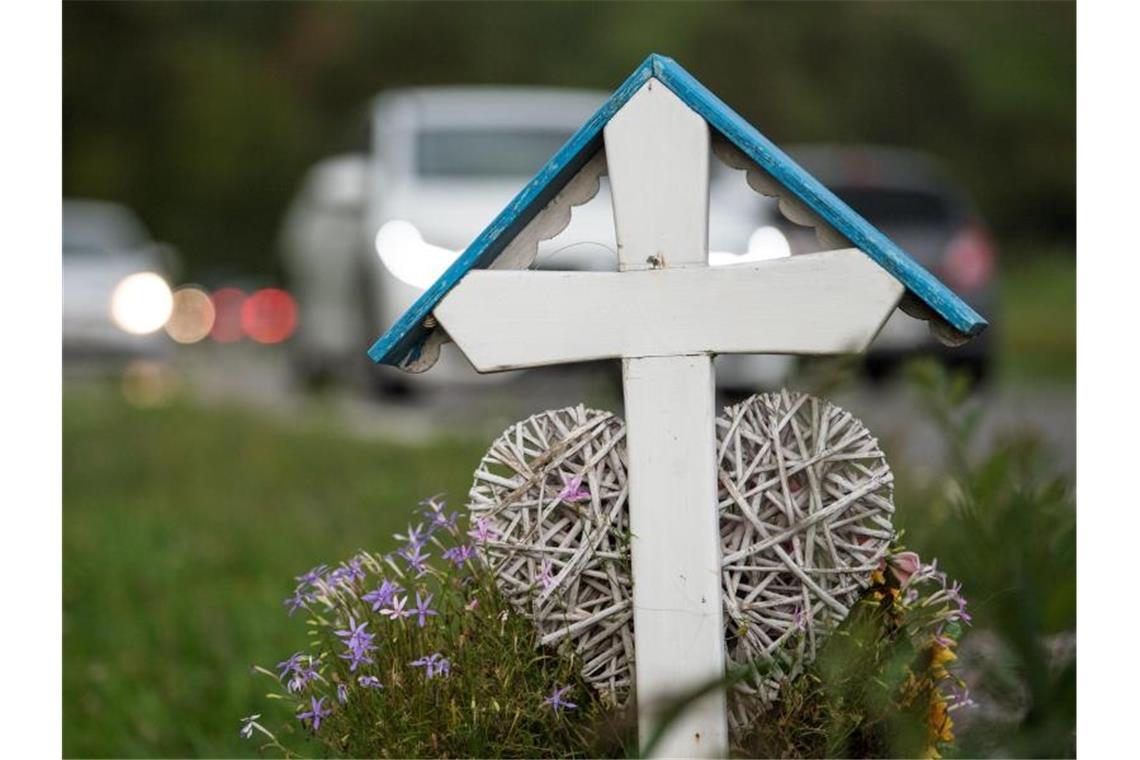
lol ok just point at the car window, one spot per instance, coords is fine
(894, 206)
(486, 152)
(89, 227)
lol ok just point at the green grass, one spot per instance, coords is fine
(182, 531)
(184, 526)
(1037, 325)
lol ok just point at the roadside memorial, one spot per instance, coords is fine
(766, 520)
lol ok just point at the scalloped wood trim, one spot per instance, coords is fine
(428, 355)
(555, 217)
(791, 207)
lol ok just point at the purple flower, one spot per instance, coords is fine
(358, 643)
(417, 536)
(299, 599)
(437, 516)
(313, 577)
(396, 611)
(290, 665)
(544, 575)
(382, 595)
(459, 554)
(572, 489)
(370, 682)
(799, 618)
(960, 697)
(337, 577)
(341, 693)
(556, 701)
(433, 665)
(315, 714)
(248, 724)
(347, 573)
(302, 675)
(483, 531)
(415, 558)
(956, 596)
(423, 609)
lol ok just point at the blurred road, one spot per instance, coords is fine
(259, 377)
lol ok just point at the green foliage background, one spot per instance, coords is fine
(203, 116)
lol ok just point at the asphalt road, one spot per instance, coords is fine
(259, 376)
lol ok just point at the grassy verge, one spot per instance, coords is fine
(1037, 332)
(182, 531)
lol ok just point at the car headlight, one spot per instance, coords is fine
(764, 243)
(141, 303)
(408, 257)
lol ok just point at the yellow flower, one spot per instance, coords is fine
(939, 724)
(940, 655)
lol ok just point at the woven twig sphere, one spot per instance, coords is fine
(805, 509)
(551, 498)
(805, 515)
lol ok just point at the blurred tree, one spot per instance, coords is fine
(203, 116)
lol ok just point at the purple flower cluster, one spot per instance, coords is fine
(307, 588)
(347, 573)
(437, 516)
(299, 671)
(947, 598)
(433, 664)
(344, 590)
(414, 555)
(381, 596)
(460, 554)
(358, 644)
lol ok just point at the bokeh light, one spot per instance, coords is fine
(269, 316)
(141, 303)
(227, 315)
(192, 317)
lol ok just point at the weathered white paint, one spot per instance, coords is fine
(678, 619)
(658, 155)
(801, 305)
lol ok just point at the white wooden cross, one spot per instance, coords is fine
(666, 313)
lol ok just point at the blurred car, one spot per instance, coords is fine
(369, 231)
(116, 291)
(908, 196)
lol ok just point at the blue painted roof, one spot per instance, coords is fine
(403, 342)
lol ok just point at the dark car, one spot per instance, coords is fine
(908, 196)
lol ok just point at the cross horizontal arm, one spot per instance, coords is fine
(824, 303)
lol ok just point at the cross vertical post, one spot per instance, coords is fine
(658, 154)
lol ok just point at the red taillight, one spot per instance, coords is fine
(269, 316)
(968, 263)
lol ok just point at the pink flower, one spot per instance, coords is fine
(904, 565)
(572, 489)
